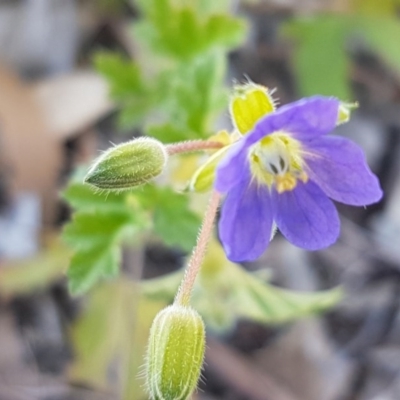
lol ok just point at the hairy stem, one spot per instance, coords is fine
(192, 145)
(197, 257)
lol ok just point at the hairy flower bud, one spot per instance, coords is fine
(175, 353)
(128, 165)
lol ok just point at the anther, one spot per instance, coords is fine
(273, 168)
(282, 164)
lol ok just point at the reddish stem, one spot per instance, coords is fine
(197, 257)
(192, 145)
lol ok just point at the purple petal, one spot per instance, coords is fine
(340, 170)
(245, 225)
(305, 119)
(232, 168)
(306, 216)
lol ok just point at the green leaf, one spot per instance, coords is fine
(173, 221)
(379, 33)
(200, 94)
(177, 226)
(89, 265)
(179, 30)
(127, 87)
(94, 229)
(112, 333)
(268, 304)
(195, 98)
(170, 132)
(225, 292)
(99, 227)
(87, 198)
(320, 60)
(123, 75)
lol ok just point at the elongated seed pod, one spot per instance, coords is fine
(175, 353)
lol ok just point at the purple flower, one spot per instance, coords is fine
(284, 172)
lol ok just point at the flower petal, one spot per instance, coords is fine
(305, 119)
(232, 168)
(340, 170)
(245, 226)
(306, 216)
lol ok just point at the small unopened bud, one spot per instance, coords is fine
(128, 165)
(175, 353)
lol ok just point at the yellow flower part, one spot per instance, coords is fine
(278, 160)
(345, 110)
(222, 137)
(249, 103)
(203, 178)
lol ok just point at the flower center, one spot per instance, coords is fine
(276, 160)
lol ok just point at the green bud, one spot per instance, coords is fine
(128, 165)
(175, 353)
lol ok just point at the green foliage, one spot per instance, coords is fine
(380, 34)
(105, 221)
(173, 221)
(125, 77)
(188, 97)
(195, 97)
(179, 72)
(173, 90)
(177, 29)
(127, 87)
(183, 91)
(321, 61)
(96, 233)
(114, 327)
(225, 293)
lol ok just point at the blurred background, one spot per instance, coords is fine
(75, 76)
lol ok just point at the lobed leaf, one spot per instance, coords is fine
(100, 225)
(177, 29)
(195, 97)
(89, 265)
(127, 86)
(173, 221)
(123, 75)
